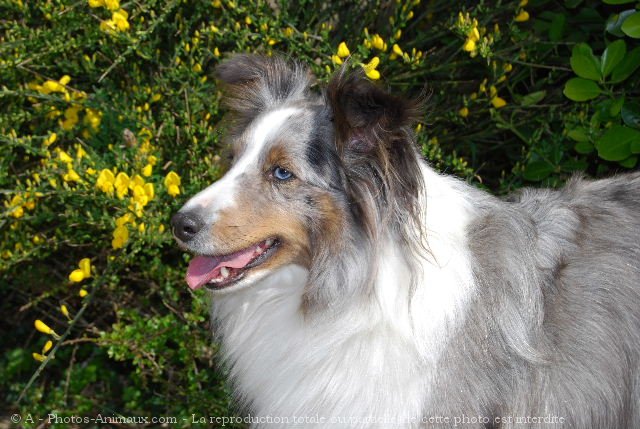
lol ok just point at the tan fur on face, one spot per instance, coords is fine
(260, 213)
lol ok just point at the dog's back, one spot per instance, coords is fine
(559, 284)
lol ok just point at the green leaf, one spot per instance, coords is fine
(578, 134)
(615, 143)
(584, 147)
(574, 165)
(572, 4)
(556, 29)
(631, 114)
(629, 162)
(618, 1)
(614, 22)
(533, 98)
(584, 63)
(627, 66)
(578, 89)
(631, 26)
(616, 106)
(612, 55)
(635, 146)
(537, 170)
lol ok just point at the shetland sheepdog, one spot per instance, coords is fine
(354, 286)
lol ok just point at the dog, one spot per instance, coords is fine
(354, 286)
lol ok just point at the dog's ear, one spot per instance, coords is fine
(366, 116)
(253, 83)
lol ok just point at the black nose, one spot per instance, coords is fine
(186, 225)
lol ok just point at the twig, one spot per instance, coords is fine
(51, 355)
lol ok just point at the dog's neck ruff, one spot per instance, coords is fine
(358, 363)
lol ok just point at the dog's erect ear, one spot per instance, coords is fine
(256, 82)
(364, 114)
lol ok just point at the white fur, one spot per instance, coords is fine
(219, 196)
(356, 367)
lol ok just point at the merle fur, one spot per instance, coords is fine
(554, 326)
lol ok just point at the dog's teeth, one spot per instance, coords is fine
(224, 271)
(268, 242)
(259, 250)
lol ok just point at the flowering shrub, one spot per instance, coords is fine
(110, 117)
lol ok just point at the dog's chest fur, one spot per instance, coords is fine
(507, 318)
(360, 360)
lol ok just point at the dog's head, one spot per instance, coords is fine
(312, 178)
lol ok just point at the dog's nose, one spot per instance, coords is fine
(186, 225)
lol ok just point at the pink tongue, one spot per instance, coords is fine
(204, 268)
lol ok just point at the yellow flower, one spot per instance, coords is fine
(523, 3)
(370, 68)
(288, 32)
(343, 50)
(51, 139)
(50, 86)
(38, 357)
(105, 181)
(120, 237)
(149, 190)
(112, 4)
(469, 45)
(108, 25)
(136, 180)
(96, 3)
(336, 59)
(119, 18)
(464, 112)
(93, 118)
(493, 91)
(140, 196)
(76, 276)
(70, 118)
(124, 219)
(147, 170)
(71, 175)
(65, 311)
(82, 293)
(80, 152)
(216, 52)
(47, 346)
(64, 157)
(172, 183)
(152, 160)
(507, 67)
(397, 50)
(378, 42)
(522, 16)
(498, 102)
(122, 185)
(42, 327)
(474, 34)
(83, 272)
(85, 266)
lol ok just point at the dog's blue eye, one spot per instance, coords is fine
(282, 173)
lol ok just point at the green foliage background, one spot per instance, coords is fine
(517, 93)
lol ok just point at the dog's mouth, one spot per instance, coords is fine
(221, 271)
